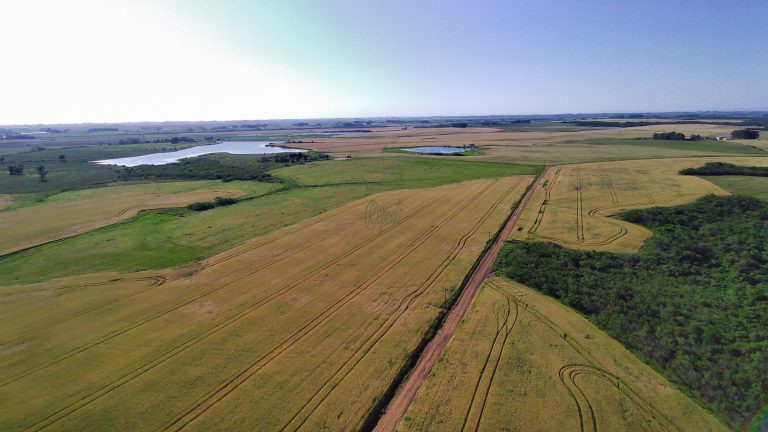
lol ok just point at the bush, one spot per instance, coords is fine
(16, 170)
(201, 206)
(225, 201)
(669, 136)
(745, 134)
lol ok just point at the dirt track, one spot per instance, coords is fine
(407, 391)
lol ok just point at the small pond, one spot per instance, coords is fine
(437, 149)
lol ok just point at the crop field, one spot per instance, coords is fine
(542, 146)
(158, 240)
(315, 312)
(82, 211)
(523, 361)
(575, 203)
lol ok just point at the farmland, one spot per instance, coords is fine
(574, 204)
(204, 335)
(541, 145)
(327, 277)
(523, 361)
(82, 211)
(691, 303)
(157, 240)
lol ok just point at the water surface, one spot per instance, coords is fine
(437, 149)
(233, 147)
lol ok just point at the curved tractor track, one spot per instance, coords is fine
(502, 313)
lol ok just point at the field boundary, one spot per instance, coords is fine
(392, 406)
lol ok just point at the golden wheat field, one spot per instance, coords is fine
(574, 204)
(70, 213)
(273, 335)
(523, 361)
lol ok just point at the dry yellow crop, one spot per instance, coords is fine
(575, 203)
(303, 328)
(535, 147)
(523, 361)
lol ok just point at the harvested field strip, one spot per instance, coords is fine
(308, 303)
(556, 371)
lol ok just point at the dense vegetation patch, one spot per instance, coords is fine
(207, 205)
(693, 303)
(675, 136)
(745, 134)
(226, 169)
(724, 168)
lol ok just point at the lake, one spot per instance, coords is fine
(233, 147)
(437, 149)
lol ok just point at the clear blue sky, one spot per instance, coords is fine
(119, 60)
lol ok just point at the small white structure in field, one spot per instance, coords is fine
(721, 138)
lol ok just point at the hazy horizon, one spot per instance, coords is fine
(87, 61)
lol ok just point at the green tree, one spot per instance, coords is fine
(16, 170)
(42, 173)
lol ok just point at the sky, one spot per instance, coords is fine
(141, 60)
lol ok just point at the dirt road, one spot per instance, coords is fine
(407, 391)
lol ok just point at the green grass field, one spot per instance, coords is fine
(742, 185)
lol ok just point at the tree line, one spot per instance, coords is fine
(675, 136)
(724, 168)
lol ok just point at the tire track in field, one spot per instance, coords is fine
(192, 341)
(272, 238)
(568, 375)
(66, 287)
(507, 330)
(346, 368)
(650, 415)
(609, 183)
(204, 404)
(156, 281)
(213, 290)
(547, 197)
(253, 271)
(501, 325)
(579, 208)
